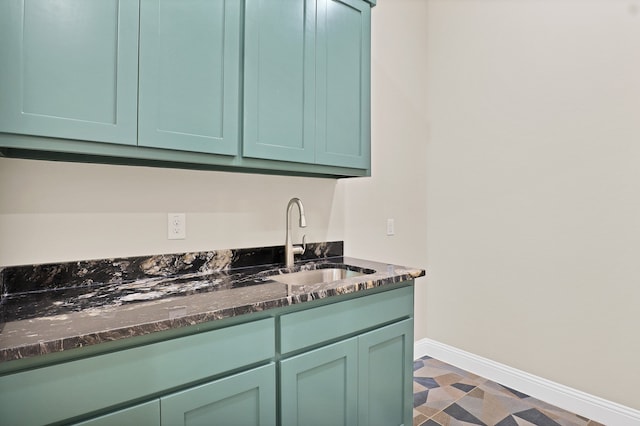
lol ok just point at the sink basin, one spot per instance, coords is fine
(316, 276)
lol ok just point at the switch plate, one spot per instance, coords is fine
(391, 227)
(176, 226)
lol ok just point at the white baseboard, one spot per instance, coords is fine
(584, 404)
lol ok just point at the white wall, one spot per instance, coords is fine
(52, 211)
(534, 187)
(397, 188)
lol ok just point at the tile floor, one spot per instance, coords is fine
(444, 395)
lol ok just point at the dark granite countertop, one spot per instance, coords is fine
(52, 308)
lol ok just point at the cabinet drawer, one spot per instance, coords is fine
(74, 388)
(314, 326)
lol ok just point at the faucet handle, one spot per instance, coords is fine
(300, 249)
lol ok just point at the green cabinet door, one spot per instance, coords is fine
(69, 69)
(279, 60)
(320, 387)
(147, 414)
(343, 83)
(190, 75)
(306, 86)
(385, 371)
(245, 399)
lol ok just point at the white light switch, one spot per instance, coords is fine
(391, 227)
(176, 226)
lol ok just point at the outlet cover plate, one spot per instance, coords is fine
(176, 226)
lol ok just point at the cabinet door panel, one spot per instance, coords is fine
(278, 82)
(343, 92)
(245, 399)
(385, 363)
(70, 69)
(320, 387)
(147, 414)
(189, 75)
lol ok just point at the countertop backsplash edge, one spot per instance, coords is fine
(156, 293)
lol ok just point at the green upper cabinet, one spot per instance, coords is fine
(343, 83)
(69, 69)
(279, 80)
(190, 75)
(307, 81)
(276, 86)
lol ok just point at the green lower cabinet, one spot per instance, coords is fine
(245, 399)
(385, 376)
(147, 414)
(365, 380)
(361, 376)
(320, 387)
(78, 388)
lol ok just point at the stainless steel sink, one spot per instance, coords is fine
(316, 276)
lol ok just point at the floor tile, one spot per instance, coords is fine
(459, 413)
(507, 421)
(419, 419)
(445, 395)
(536, 417)
(463, 387)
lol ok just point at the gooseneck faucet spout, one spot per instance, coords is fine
(289, 249)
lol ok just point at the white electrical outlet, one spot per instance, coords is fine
(391, 227)
(176, 226)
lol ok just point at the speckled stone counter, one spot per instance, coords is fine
(57, 307)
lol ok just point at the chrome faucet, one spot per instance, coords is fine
(289, 249)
